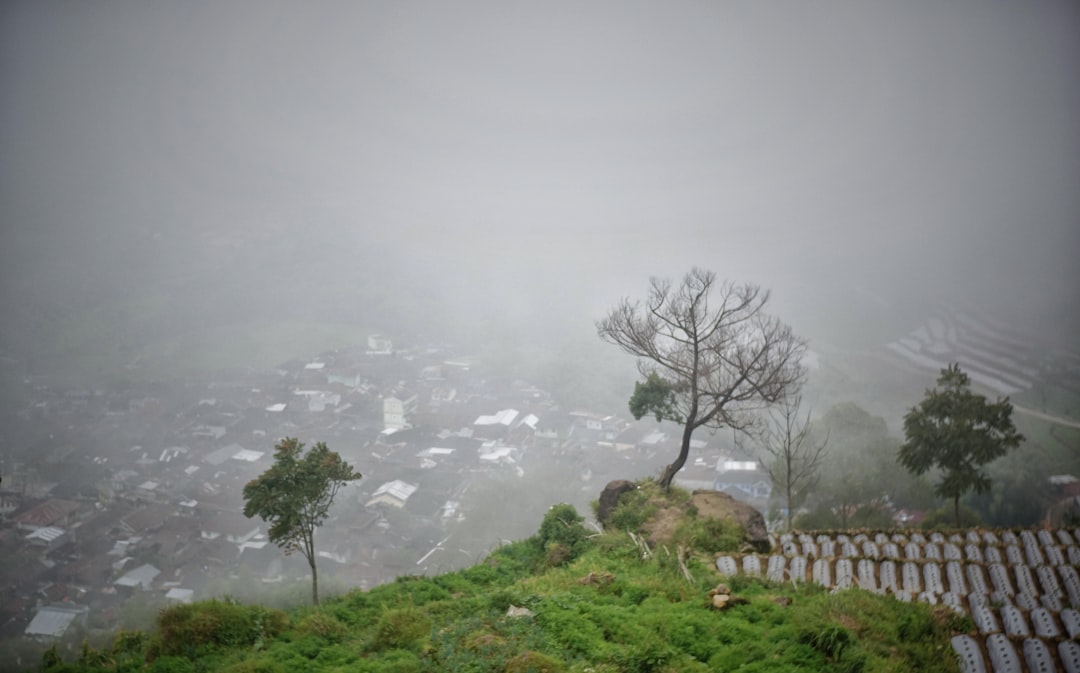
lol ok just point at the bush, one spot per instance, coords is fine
(255, 666)
(173, 664)
(533, 662)
(185, 628)
(830, 640)
(324, 626)
(633, 510)
(710, 535)
(562, 536)
(401, 628)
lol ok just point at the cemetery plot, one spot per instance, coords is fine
(1020, 588)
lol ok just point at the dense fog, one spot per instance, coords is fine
(528, 164)
(204, 204)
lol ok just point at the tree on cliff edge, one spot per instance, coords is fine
(709, 353)
(294, 496)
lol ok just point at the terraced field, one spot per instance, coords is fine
(1020, 588)
(993, 354)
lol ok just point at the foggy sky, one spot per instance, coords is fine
(541, 154)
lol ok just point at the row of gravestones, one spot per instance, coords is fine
(1034, 616)
(1052, 587)
(1028, 548)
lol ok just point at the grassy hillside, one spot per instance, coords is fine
(563, 600)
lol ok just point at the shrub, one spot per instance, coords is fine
(533, 662)
(325, 626)
(173, 664)
(831, 640)
(710, 535)
(632, 511)
(255, 666)
(562, 525)
(401, 628)
(187, 627)
(562, 537)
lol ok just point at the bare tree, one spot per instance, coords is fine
(793, 459)
(707, 360)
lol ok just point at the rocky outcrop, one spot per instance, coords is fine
(609, 498)
(715, 504)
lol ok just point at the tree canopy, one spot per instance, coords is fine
(957, 431)
(294, 496)
(709, 353)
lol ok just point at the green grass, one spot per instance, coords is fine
(608, 610)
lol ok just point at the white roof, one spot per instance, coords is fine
(503, 417)
(531, 420)
(182, 595)
(397, 489)
(280, 406)
(47, 534)
(148, 485)
(315, 365)
(497, 454)
(743, 465)
(436, 451)
(53, 620)
(143, 575)
(248, 455)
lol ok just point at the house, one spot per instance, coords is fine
(394, 493)
(179, 595)
(143, 576)
(53, 621)
(232, 526)
(48, 538)
(147, 519)
(397, 410)
(497, 425)
(698, 475)
(379, 345)
(52, 512)
(745, 480)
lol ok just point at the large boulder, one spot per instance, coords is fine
(714, 504)
(609, 498)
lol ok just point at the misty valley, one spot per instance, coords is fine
(124, 499)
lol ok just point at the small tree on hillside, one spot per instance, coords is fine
(709, 353)
(793, 457)
(294, 496)
(957, 431)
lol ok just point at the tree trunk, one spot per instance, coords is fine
(314, 571)
(789, 512)
(956, 510)
(671, 470)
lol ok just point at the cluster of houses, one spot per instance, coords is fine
(140, 489)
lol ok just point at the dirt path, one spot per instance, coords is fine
(1047, 417)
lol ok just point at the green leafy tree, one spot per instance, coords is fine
(709, 353)
(294, 496)
(957, 431)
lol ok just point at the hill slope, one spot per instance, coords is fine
(563, 600)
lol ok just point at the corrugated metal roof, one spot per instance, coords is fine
(47, 534)
(143, 575)
(502, 417)
(396, 488)
(53, 620)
